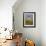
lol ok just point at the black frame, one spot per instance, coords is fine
(34, 20)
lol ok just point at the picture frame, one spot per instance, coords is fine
(29, 19)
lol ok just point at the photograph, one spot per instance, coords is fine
(29, 19)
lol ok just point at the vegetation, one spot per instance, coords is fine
(29, 22)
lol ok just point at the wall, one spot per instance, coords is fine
(6, 16)
(6, 13)
(43, 22)
(29, 33)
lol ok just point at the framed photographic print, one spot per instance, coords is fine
(29, 19)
